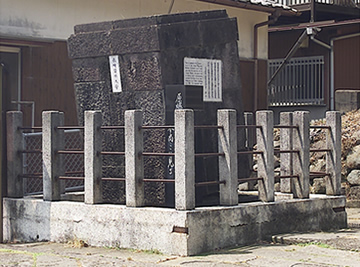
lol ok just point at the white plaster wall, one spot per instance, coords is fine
(55, 19)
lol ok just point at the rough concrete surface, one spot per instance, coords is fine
(311, 249)
(204, 229)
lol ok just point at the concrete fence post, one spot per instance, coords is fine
(265, 143)
(286, 159)
(52, 141)
(134, 163)
(333, 158)
(228, 167)
(15, 143)
(250, 142)
(301, 160)
(92, 157)
(184, 160)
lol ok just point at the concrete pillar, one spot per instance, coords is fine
(134, 163)
(92, 157)
(228, 167)
(265, 143)
(301, 160)
(333, 158)
(15, 143)
(250, 142)
(286, 159)
(184, 160)
(52, 141)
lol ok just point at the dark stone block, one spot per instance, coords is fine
(167, 19)
(91, 69)
(141, 72)
(93, 27)
(182, 34)
(184, 17)
(134, 40)
(92, 96)
(135, 23)
(222, 31)
(93, 44)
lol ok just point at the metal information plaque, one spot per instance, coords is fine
(206, 73)
(115, 74)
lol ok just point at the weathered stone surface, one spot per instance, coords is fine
(319, 166)
(225, 29)
(142, 72)
(354, 177)
(134, 40)
(93, 96)
(347, 100)
(94, 27)
(353, 193)
(353, 159)
(91, 69)
(153, 228)
(318, 186)
(92, 44)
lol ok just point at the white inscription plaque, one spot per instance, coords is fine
(115, 74)
(206, 73)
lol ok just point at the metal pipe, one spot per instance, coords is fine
(149, 154)
(320, 150)
(112, 153)
(208, 127)
(159, 180)
(119, 127)
(249, 126)
(70, 127)
(241, 180)
(286, 151)
(70, 152)
(210, 183)
(249, 152)
(319, 127)
(208, 154)
(113, 179)
(150, 127)
(289, 55)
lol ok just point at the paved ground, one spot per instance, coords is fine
(339, 248)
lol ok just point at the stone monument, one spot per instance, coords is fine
(157, 64)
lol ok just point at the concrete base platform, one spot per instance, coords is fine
(168, 230)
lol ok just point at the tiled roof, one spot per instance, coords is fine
(267, 3)
(261, 5)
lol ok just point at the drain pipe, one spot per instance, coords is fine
(275, 16)
(293, 50)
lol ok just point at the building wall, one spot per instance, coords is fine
(347, 53)
(44, 19)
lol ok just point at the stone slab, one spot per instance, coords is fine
(202, 229)
(347, 100)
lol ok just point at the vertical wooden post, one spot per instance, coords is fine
(134, 163)
(228, 167)
(184, 160)
(53, 141)
(301, 160)
(333, 158)
(286, 159)
(92, 157)
(265, 143)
